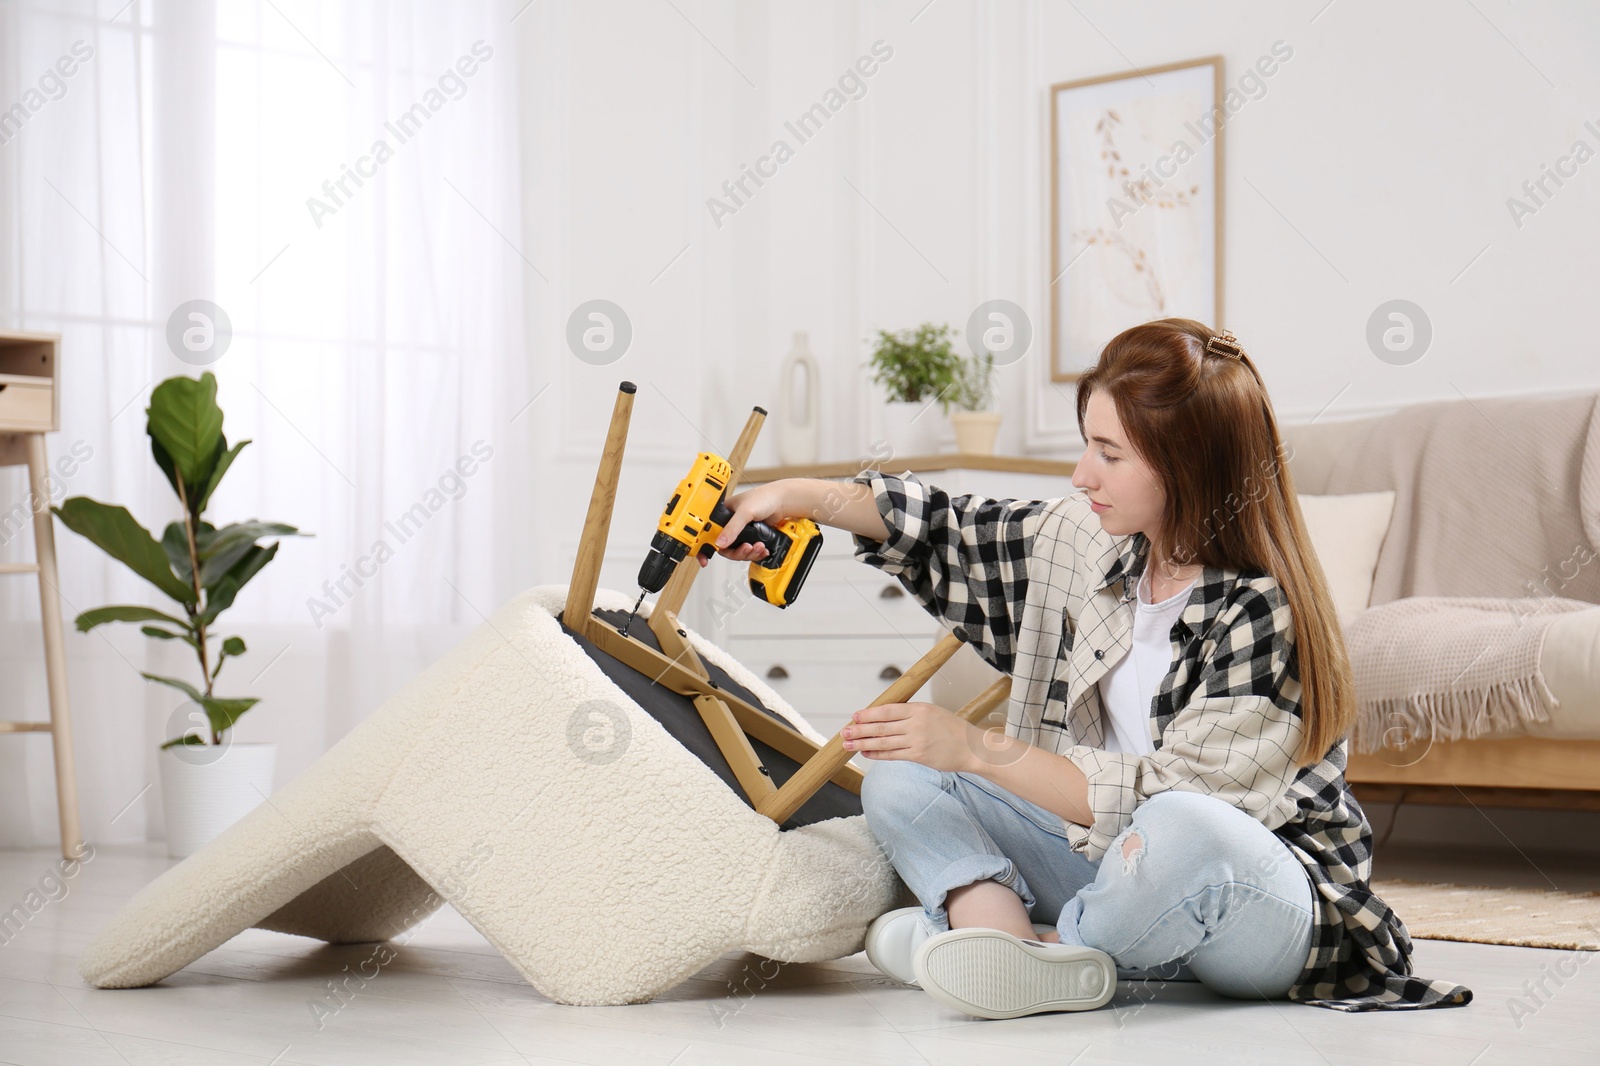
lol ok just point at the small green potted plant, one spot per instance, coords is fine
(207, 782)
(914, 367)
(975, 420)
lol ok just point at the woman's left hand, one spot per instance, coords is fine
(917, 732)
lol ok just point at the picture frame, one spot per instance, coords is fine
(1136, 197)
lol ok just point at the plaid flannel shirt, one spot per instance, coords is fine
(1042, 592)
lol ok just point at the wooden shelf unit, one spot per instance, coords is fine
(30, 407)
(30, 380)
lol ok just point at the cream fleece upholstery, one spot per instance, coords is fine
(603, 880)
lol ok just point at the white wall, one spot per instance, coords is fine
(1376, 166)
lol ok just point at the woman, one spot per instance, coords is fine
(1168, 796)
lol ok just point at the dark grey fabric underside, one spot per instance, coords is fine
(678, 717)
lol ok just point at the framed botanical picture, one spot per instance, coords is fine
(1135, 205)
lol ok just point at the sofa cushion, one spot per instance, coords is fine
(1570, 662)
(1432, 668)
(1347, 533)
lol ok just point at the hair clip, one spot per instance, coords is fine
(1225, 344)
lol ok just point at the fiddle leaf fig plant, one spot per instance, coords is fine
(197, 565)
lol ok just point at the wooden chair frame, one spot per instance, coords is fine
(731, 720)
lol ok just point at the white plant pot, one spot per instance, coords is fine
(912, 428)
(975, 431)
(204, 790)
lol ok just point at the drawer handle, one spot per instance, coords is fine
(776, 672)
(891, 592)
(889, 673)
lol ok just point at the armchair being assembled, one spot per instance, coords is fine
(611, 812)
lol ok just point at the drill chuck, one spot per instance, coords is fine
(665, 555)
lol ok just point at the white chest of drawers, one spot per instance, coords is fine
(854, 628)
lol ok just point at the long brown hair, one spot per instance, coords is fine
(1196, 411)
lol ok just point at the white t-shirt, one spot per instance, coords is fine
(1129, 687)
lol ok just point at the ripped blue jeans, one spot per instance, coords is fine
(1204, 893)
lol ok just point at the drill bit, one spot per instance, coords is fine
(631, 613)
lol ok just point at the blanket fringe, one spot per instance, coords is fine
(1460, 714)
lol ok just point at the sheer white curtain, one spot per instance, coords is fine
(342, 180)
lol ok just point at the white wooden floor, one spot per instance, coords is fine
(449, 998)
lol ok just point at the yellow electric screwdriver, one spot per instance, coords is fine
(696, 516)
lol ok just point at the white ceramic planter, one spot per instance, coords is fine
(912, 428)
(975, 431)
(204, 790)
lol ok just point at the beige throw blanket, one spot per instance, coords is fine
(1431, 668)
(1493, 497)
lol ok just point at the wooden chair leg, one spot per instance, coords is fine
(832, 756)
(676, 592)
(736, 748)
(978, 708)
(664, 624)
(597, 525)
(55, 658)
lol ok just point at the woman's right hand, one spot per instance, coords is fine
(764, 503)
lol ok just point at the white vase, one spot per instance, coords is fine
(205, 789)
(799, 405)
(912, 428)
(975, 431)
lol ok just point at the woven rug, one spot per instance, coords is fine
(1523, 917)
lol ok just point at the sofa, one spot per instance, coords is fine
(1492, 498)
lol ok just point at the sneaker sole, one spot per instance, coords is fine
(887, 916)
(990, 975)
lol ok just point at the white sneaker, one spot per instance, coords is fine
(990, 974)
(894, 937)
